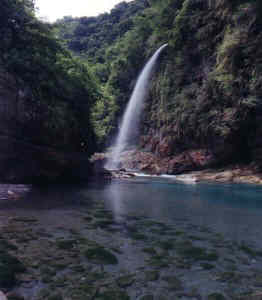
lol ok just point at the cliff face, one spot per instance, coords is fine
(22, 159)
(206, 94)
(45, 99)
(204, 106)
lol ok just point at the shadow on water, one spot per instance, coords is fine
(41, 198)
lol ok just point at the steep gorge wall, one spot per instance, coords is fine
(205, 100)
(22, 159)
(204, 106)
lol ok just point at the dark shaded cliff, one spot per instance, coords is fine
(45, 97)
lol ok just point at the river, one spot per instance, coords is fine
(207, 234)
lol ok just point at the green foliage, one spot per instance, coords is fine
(207, 88)
(89, 36)
(60, 89)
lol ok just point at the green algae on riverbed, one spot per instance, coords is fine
(9, 265)
(101, 255)
(141, 259)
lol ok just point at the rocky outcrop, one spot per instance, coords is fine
(150, 163)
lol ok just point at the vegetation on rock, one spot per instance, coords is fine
(207, 88)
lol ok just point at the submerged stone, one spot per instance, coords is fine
(5, 245)
(216, 296)
(101, 255)
(25, 219)
(66, 244)
(103, 223)
(187, 250)
(55, 297)
(158, 261)
(152, 275)
(147, 297)
(126, 280)
(207, 266)
(113, 295)
(9, 266)
(150, 250)
(167, 245)
(173, 283)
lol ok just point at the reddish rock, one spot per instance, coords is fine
(164, 148)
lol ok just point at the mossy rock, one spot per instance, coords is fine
(152, 275)
(48, 271)
(88, 218)
(138, 236)
(125, 280)
(95, 276)
(158, 261)
(207, 266)
(66, 244)
(150, 250)
(55, 297)
(103, 223)
(147, 297)
(113, 295)
(101, 255)
(189, 251)
(9, 266)
(83, 292)
(14, 296)
(5, 245)
(60, 282)
(167, 245)
(77, 268)
(247, 250)
(173, 283)
(7, 277)
(216, 296)
(134, 233)
(103, 214)
(178, 233)
(25, 220)
(227, 276)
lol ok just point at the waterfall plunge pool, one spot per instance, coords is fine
(206, 235)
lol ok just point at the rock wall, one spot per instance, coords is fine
(204, 107)
(22, 161)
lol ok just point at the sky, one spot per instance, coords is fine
(51, 10)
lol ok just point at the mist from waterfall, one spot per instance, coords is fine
(133, 111)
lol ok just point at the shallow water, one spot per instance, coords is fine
(231, 209)
(159, 215)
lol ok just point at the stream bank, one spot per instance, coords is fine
(194, 164)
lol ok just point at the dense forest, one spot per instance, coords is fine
(206, 92)
(70, 81)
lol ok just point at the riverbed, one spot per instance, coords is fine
(138, 238)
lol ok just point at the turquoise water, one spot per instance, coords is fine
(163, 214)
(234, 210)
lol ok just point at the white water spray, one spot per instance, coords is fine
(133, 111)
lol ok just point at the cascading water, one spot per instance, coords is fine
(132, 112)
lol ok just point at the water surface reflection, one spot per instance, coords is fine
(232, 209)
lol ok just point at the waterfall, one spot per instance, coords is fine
(132, 112)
